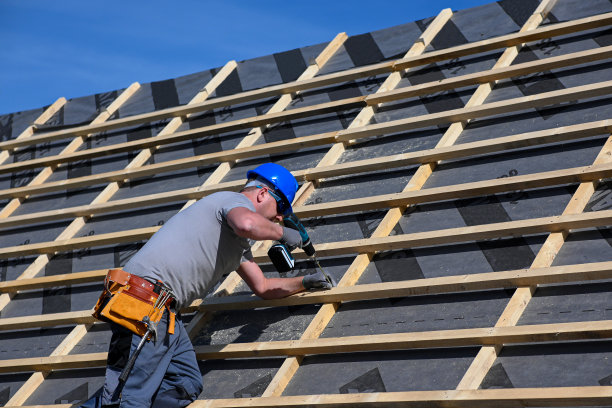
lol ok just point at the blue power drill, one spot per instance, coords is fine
(281, 256)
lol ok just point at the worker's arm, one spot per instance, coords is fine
(249, 224)
(268, 288)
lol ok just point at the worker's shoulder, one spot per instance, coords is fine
(226, 197)
(219, 195)
(227, 200)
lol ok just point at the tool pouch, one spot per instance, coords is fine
(126, 304)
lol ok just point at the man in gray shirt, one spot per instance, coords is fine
(190, 254)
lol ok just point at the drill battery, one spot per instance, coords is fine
(281, 258)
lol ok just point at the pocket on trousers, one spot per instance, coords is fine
(181, 394)
(189, 390)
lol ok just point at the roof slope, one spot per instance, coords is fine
(443, 165)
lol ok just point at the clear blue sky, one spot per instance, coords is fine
(73, 48)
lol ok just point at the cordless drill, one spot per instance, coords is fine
(280, 255)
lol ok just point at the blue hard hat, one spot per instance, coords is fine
(285, 185)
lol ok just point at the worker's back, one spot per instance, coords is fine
(194, 248)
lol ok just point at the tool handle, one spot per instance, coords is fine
(130, 364)
(293, 222)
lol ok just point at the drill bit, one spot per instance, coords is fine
(327, 277)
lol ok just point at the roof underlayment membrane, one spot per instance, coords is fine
(534, 362)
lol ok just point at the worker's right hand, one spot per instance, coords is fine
(317, 280)
(291, 238)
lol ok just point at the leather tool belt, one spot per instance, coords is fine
(127, 299)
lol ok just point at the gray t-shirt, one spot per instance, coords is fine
(195, 248)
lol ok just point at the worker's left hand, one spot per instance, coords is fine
(318, 280)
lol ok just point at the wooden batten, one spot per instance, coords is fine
(373, 99)
(350, 344)
(356, 73)
(352, 168)
(430, 286)
(494, 108)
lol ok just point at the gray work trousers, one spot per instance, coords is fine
(166, 373)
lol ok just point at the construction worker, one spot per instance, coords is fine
(189, 255)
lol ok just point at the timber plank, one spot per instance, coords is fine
(461, 234)
(54, 280)
(380, 68)
(457, 191)
(510, 397)
(491, 75)
(506, 41)
(427, 286)
(47, 320)
(372, 99)
(402, 341)
(479, 111)
(557, 332)
(511, 105)
(457, 151)
(540, 397)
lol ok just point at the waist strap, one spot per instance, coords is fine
(138, 287)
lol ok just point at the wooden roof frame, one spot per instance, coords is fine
(491, 339)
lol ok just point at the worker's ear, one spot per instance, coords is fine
(261, 194)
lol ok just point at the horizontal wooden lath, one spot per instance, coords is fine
(368, 165)
(372, 99)
(380, 68)
(506, 41)
(494, 108)
(426, 286)
(429, 286)
(530, 139)
(557, 332)
(540, 397)
(492, 75)
(461, 234)
(366, 245)
(75, 278)
(511, 397)
(480, 111)
(403, 341)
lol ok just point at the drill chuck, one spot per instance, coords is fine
(308, 248)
